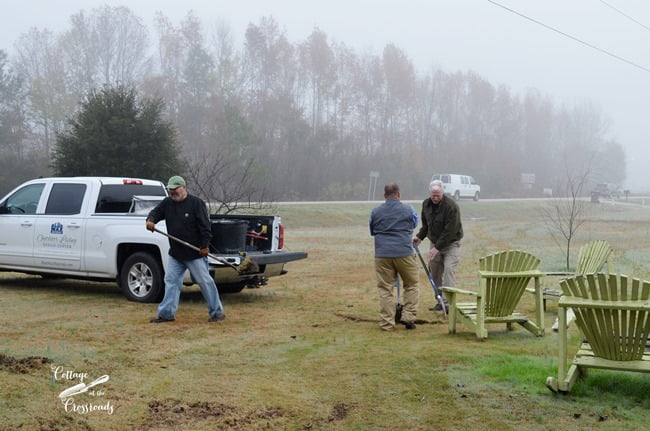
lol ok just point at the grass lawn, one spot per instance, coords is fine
(306, 352)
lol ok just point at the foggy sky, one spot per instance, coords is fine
(477, 35)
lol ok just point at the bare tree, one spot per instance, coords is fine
(609, 163)
(39, 62)
(107, 46)
(316, 60)
(227, 187)
(12, 116)
(227, 173)
(399, 99)
(566, 212)
(227, 61)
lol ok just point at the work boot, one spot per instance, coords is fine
(438, 307)
(217, 317)
(409, 325)
(160, 320)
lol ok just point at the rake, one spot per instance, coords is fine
(248, 266)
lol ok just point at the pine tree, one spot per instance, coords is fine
(114, 134)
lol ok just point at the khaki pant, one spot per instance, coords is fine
(443, 265)
(386, 270)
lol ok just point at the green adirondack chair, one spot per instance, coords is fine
(592, 258)
(613, 314)
(503, 278)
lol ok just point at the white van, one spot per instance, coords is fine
(459, 186)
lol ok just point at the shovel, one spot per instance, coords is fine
(398, 309)
(248, 266)
(433, 285)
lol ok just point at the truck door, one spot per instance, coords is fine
(17, 222)
(59, 231)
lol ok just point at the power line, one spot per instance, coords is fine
(631, 63)
(625, 15)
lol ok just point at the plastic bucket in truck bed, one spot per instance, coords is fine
(229, 235)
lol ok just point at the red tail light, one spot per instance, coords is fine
(281, 239)
(131, 181)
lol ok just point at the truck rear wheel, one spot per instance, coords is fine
(230, 288)
(141, 278)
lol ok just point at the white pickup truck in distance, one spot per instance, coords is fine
(94, 228)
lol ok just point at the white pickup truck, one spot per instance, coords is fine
(94, 228)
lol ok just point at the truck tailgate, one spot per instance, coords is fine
(277, 257)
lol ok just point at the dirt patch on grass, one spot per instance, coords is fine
(60, 423)
(429, 322)
(356, 318)
(182, 415)
(339, 411)
(25, 365)
(365, 319)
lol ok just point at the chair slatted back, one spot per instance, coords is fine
(618, 334)
(502, 294)
(592, 257)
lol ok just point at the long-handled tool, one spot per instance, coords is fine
(248, 266)
(398, 309)
(433, 285)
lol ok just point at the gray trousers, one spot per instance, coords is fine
(443, 266)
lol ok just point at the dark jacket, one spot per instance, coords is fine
(441, 223)
(187, 220)
(392, 224)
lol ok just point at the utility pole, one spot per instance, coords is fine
(373, 184)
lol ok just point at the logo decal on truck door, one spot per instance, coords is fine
(56, 228)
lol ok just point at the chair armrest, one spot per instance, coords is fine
(457, 290)
(560, 274)
(516, 274)
(573, 301)
(550, 292)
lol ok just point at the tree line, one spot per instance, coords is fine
(292, 120)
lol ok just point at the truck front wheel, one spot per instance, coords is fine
(141, 278)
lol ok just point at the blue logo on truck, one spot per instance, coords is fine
(56, 228)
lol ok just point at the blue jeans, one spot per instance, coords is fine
(174, 282)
